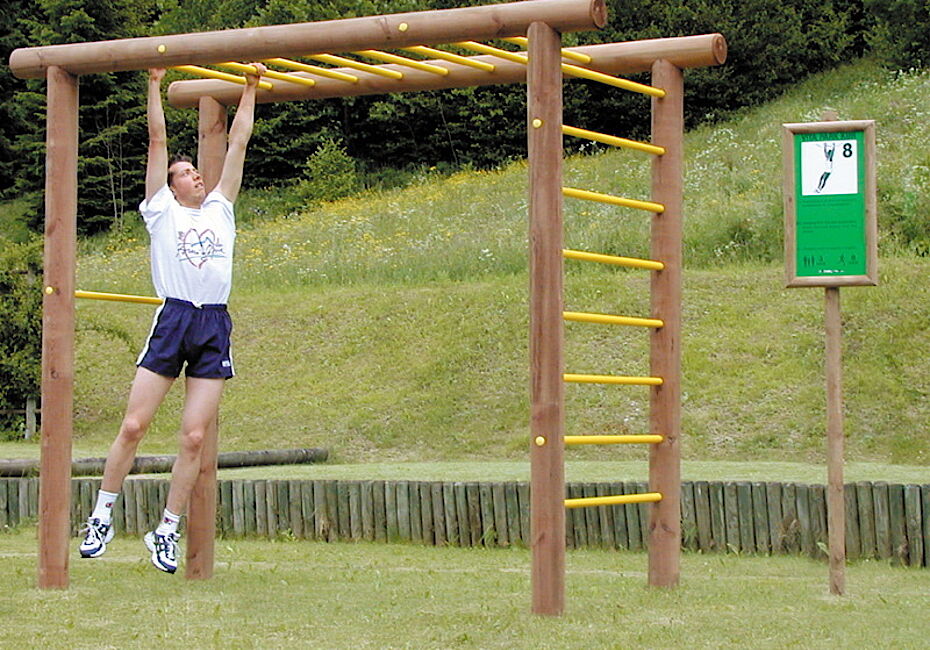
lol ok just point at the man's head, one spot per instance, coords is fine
(185, 182)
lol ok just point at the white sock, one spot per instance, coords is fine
(169, 523)
(104, 508)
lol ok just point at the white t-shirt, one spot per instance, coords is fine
(192, 249)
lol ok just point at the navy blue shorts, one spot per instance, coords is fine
(197, 336)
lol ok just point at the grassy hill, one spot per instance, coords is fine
(393, 325)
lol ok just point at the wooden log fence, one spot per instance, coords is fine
(883, 521)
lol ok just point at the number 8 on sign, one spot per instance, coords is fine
(829, 167)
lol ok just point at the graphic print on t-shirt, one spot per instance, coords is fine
(197, 247)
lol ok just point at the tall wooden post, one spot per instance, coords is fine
(547, 507)
(836, 506)
(58, 328)
(665, 353)
(201, 517)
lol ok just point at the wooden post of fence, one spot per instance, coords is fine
(665, 345)
(30, 417)
(58, 328)
(544, 134)
(201, 518)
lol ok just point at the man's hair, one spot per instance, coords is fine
(174, 160)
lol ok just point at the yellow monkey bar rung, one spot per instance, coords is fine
(630, 262)
(523, 41)
(449, 56)
(617, 499)
(312, 69)
(198, 71)
(387, 57)
(271, 74)
(567, 69)
(619, 380)
(609, 319)
(117, 297)
(587, 195)
(612, 140)
(638, 439)
(358, 65)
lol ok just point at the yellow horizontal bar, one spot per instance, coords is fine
(630, 262)
(271, 74)
(216, 74)
(612, 140)
(358, 65)
(522, 41)
(607, 319)
(617, 82)
(401, 60)
(614, 440)
(449, 56)
(312, 69)
(612, 379)
(567, 68)
(117, 297)
(617, 499)
(613, 200)
(494, 51)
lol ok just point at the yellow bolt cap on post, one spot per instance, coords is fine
(403, 27)
(540, 441)
(537, 123)
(162, 49)
(49, 290)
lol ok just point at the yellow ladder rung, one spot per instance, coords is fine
(449, 56)
(271, 74)
(612, 379)
(216, 74)
(612, 140)
(617, 82)
(608, 319)
(358, 65)
(568, 69)
(587, 195)
(117, 297)
(630, 262)
(401, 60)
(523, 41)
(648, 439)
(493, 51)
(617, 499)
(312, 69)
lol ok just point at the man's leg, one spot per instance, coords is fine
(147, 393)
(201, 404)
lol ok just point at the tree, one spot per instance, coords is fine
(20, 324)
(111, 116)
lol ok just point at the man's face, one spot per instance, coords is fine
(187, 184)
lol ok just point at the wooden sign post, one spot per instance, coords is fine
(831, 241)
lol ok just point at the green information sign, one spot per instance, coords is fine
(829, 204)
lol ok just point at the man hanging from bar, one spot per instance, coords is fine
(192, 235)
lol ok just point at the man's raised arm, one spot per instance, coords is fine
(239, 134)
(156, 170)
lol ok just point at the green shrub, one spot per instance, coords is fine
(329, 174)
(20, 326)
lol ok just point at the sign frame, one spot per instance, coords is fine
(866, 186)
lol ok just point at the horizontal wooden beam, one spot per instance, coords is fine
(610, 58)
(288, 41)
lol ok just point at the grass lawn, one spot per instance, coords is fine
(287, 594)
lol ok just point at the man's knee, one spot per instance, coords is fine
(192, 440)
(133, 429)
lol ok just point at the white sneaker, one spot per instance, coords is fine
(164, 550)
(96, 537)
